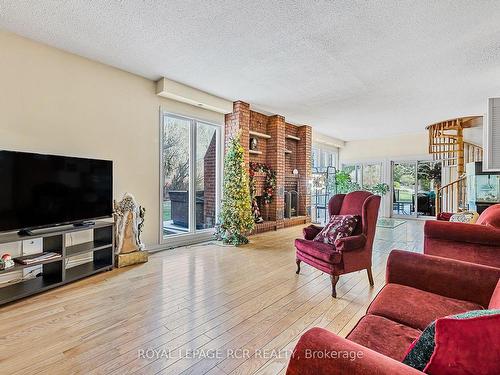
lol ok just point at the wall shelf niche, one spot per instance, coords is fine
(259, 135)
(289, 136)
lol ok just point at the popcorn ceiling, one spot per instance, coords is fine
(351, 69)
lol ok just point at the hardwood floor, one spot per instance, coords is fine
(193, 310)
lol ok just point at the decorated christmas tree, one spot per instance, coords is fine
(236, 213)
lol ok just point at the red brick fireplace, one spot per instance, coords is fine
(283, 147)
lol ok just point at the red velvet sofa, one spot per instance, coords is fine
(476, 243)
(419, 288)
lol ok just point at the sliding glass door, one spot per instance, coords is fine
(190, 166)
(176, 175)
(413, 188)
(429, 180)
(206, 175)
(404, 182)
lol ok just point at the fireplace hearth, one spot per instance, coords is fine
(291, 204)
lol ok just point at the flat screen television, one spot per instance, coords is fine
(40, 191)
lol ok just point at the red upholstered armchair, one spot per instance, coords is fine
(476, 243)
(349, 254)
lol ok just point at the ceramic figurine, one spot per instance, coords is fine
(257, 217)
(6, 261)
(253, 143)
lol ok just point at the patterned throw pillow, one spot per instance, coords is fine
(467, 217)
(421, 350)
(338, 227)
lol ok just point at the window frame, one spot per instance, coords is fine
(324, 155)
(359, 168)
(192, 235)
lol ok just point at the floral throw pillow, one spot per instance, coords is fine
(465, 217)
(338, 227)
(423, 352)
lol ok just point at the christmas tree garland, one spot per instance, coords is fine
(269, 184)
(235, 219)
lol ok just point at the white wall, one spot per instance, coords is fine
(402, 146)
(55, 102)
(326, 139)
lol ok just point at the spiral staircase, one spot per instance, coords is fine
(448, 145)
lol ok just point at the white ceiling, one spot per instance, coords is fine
(351, 69)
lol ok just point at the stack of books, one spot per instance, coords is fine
(35, 258)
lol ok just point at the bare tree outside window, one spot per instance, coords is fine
(179, 153)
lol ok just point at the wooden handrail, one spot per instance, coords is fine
(452, 183)
(451, 197)
(471, 144)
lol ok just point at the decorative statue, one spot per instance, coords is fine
(129, 217)
(257, 217)
(6, 261)
(253, 143)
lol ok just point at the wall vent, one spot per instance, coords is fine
(491, 142)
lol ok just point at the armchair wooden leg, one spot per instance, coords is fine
(370, 276)
(335, 280)
(298, 266)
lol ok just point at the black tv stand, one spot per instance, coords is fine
(59, 270)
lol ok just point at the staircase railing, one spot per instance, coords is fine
(472, 152)
(452, 197)
(447, 144)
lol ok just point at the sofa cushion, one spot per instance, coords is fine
(320, 264)
(467, 344)
(420, 351)
(414, 307)
(319, 250)
(444, 216)
(311, 231)
(425, 351)
(384, 336)
(490, 216)
(340, 226)
(495, 298)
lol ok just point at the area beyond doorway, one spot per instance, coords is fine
(414, 186)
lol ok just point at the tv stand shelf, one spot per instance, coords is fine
(89, 268)
(54, 271)
(86, 247)
(19, 266)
